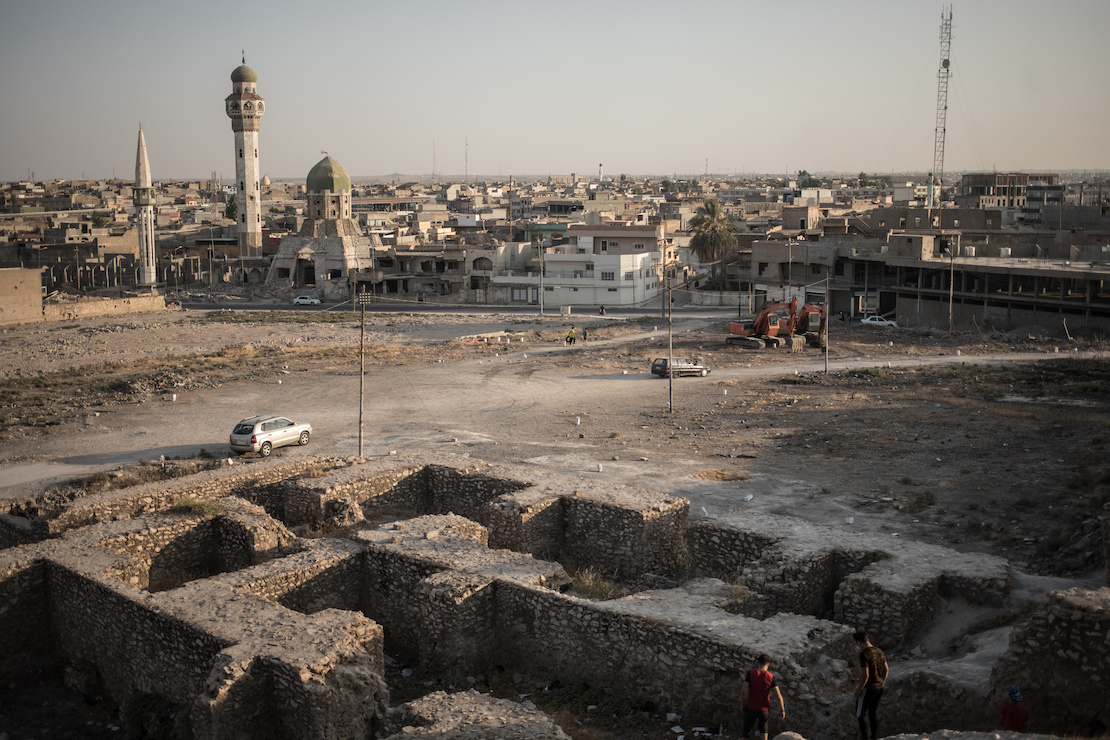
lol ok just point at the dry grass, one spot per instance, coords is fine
(589, 583)
(196, 507)
(721, 475)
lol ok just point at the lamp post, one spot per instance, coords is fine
(951, 285)
(363, 299)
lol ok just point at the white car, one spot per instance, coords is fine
(306, 300)
(262, 434)
(875, 320)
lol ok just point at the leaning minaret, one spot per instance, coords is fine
(245, 108)
(143, 194)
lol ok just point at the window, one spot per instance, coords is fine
(520, 294)
(639, 245)
(762, 267)
(548, 289)
(240, 154)
(629, 275)
(608, 276)
(612, 290)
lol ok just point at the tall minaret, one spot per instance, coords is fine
(245, 108)
(143, 194)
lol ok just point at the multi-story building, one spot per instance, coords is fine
(997, 189)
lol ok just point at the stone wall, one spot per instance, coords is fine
(92, 307)
(264, 482)
(1061, 660)
(890, 588)
(24, 622)
(222, 649)
(626, 535)
(1106, 539)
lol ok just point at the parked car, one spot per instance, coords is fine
(876, 320)
(262, 434)
(679, 366)
(306, 300)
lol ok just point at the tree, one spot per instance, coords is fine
(231, 208)
(714, 235)
(806, 180)
(100, 220)
(863, 179)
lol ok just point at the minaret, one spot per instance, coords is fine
(245, 108)
(143, 194)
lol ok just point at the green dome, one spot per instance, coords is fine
(328, 174)
(244, 74)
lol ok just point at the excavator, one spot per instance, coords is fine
(782, 324)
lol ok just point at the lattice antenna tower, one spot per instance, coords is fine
(937, 175)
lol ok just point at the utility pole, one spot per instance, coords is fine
(670, 344)
(363, 299)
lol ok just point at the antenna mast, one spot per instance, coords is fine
(942, 108)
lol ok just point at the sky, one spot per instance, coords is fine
(531, 88)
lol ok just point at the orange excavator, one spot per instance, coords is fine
(782, 324)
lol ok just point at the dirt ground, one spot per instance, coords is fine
(979, 441)
(944, 439)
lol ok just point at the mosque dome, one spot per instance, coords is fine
(244, 74)
(327, 174)
(266, 181)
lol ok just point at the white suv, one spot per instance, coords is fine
(262, 434)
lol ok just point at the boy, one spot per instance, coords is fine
(874, 670)
(1014, 713)
(755, 696)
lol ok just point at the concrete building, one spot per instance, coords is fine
(144, 215)
(998, 189)
(245, 109)
(328, 253)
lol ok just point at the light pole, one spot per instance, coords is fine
(951, 285)
(363, 299)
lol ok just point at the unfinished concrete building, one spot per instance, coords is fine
(225, 614)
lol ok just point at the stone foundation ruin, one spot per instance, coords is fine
(219, 608)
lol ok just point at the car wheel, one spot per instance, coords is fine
(304, 439)
(704, 372)
(265, 449)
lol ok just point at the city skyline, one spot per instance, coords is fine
(510, 88)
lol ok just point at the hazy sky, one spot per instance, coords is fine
(542, 88)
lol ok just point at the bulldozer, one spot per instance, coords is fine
(782, 324)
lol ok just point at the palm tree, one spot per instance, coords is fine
(714, 235)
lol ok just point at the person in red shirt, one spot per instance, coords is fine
(755, 696)
(1015, 714)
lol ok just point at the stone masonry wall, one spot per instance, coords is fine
(679, 650)
(249, 481)
(528, 521)
(321, 574)
(24, 623)
(91, 307)
(888, 587)
(240, 664)
(626, 535)
(1061, 660)
(1106, 540)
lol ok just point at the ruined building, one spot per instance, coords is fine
(221, 614)
(329, 250)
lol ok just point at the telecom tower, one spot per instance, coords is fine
(937, 174)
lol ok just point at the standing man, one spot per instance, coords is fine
(755, 696)
(874, 670)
